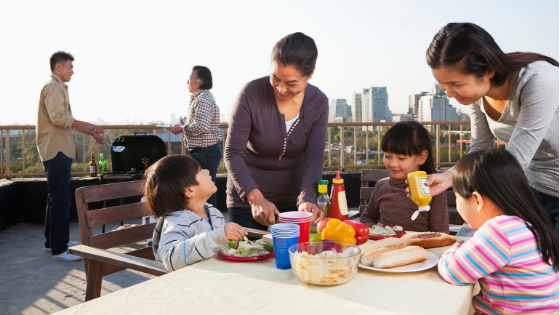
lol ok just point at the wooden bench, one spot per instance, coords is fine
(372, 176)
(99, 261)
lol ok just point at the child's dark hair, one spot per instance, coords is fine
(409, 138)
(496, 174)
(166, 181)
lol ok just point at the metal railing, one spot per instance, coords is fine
(335, 159)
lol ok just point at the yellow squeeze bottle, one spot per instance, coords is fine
(419, 193)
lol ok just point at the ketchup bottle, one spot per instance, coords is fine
(338, 208)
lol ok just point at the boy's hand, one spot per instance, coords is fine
(234, 232)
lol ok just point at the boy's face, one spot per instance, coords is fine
(206, 187)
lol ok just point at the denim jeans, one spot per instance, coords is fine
(57, 219)
(550, 205)
(209, 158)
(244, 217)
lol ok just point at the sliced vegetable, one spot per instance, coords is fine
(247, 248)
(316, 237)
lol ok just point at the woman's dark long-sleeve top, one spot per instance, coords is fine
(260, 153)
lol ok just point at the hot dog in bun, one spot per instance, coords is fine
(428, 239)
(401, 257)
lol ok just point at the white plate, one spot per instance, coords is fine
(164, 126)
(419, 266)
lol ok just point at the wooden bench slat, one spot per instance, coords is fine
(374, 175)
(365, 193)
(115, 214)
(104, 192)
(145, 253)
(120, 237)
(118, 259)
(455, 217)
(451, 198)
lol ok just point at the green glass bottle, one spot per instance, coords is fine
(102, 164)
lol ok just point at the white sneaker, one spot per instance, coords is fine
(66, 257)
(70, 244)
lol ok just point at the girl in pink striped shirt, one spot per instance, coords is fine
(514, 252)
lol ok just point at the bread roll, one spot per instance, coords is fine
(381, 243)
(369, 256)
(401, 257)
(428, 239)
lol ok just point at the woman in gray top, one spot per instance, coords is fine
(276, 139)
(513, 97)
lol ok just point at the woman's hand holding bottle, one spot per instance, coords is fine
(438, 183)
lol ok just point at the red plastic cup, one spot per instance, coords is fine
(303, 219)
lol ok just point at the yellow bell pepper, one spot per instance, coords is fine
(339, 232)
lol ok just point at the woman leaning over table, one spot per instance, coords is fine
(513, 97)
(276, 139)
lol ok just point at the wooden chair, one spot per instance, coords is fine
(98, 261)
(372, 176)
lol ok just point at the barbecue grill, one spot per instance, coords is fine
(140, 152)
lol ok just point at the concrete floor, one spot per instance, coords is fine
(32, 283)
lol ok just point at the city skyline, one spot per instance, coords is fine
(136, 63)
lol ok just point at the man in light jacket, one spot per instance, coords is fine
(56, 144)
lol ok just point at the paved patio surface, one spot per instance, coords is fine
(32, 283)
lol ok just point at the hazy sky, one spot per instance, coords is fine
(133, 58)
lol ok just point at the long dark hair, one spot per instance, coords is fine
(496, 174)
(166, 181)
(470, 47)
(297, 50)
(409, 138)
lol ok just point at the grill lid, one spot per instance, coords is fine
(140, 152)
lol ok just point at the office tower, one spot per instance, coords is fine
(375, 105)
(339, 111)
(402, 117)
(435, 107)
(357, 111)
(413, 104)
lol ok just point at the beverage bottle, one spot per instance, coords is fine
(93, 166)
(102, 164)
(419, 193)
(322, 202)
(338, 208)
(323, 197)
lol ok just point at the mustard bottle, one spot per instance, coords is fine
(419, 193)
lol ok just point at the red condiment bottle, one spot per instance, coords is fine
(338, 208)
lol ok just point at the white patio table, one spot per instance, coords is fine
(218, 286)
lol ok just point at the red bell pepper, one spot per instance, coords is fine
(362, 231)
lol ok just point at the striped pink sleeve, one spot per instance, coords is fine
(486, 252)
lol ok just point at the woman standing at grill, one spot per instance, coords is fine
(513, 97)
(276, 139)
